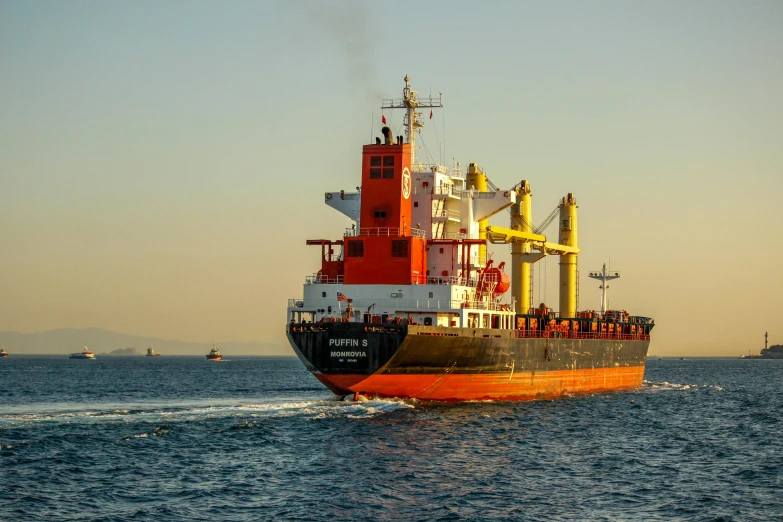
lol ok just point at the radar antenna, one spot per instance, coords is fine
(412, 120)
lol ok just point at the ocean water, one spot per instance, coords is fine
(181, 438)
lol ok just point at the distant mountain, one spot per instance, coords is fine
(125, 351)
(98, 340)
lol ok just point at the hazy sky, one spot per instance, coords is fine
(163, 163)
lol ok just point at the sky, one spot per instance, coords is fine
(163, 163)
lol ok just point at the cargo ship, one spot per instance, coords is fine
(409, 303)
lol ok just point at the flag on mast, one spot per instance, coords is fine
(341, 297)
(383, 119)
(430, 113)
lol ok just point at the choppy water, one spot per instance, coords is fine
(180, 438)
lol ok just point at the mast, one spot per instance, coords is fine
(412, 120)
(603, 276)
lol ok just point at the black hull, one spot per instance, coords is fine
(354, 357)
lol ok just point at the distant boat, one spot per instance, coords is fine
(151, 352)
(214, 354)
(3, 353)
(86, 354)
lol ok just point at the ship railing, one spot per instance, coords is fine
(452, 280)
(324, 325)
(407, 305)
(486, 305)
(342, 195)
(442, 190)
(471, 282)
(475, 194)
(431, 304)
(416, 304)
(550, 314)
(321, 279)
(454, 171)
(448, 190)
(570, 334)
(386, 231)
(446, 213)
(388, 304)
(457, 280)
(452, 236)
(610, 318)
(424, 304)
(295, 303)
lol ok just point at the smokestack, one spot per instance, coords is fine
(377, 141)
(387, 135)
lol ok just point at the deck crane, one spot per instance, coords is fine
(530, 245)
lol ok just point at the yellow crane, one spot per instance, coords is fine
(528, 247)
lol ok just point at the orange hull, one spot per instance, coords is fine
(488, 386)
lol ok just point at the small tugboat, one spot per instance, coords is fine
(214, 354)
(3, 353)
(85, 354)
(151, 352)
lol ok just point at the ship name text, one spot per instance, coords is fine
(346, 342)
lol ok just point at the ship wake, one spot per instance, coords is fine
(668, 386)
(198, 411)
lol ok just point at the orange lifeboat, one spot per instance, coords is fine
(496, 275)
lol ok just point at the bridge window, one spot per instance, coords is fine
(375, 167)
(399, 249)
(356, 248)
(388, 167)
(380, 213)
